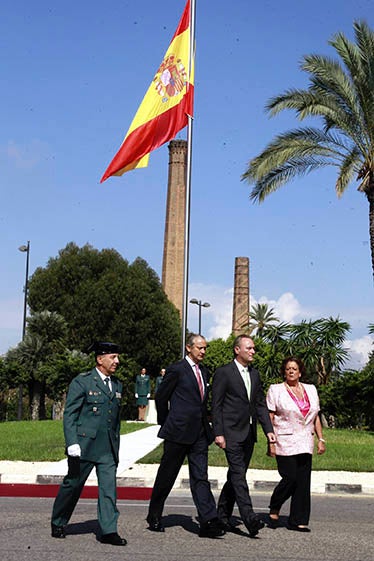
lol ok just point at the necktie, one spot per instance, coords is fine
(247, 381)
(199, 381)
(107, 382)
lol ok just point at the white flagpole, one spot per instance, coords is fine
(188, 187)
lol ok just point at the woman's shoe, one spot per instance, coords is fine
(297, 528)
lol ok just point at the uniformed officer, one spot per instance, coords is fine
(160, 378)
(142, 392)
(92, 437)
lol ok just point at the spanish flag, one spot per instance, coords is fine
(165, 108)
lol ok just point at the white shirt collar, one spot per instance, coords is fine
(103, 376)
(191, 362)
(241, 367)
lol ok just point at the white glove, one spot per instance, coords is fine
(148, 395)
(136, 395)
(74, 450)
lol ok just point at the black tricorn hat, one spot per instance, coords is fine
(103, 348)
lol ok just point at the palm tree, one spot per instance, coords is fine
(320, 345)
(46, 334)
(262, 316)
(277, 336)
(342, 94)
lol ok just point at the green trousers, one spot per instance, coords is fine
(72, 485)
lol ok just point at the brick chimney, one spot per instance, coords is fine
(240, 310)
(173, 260)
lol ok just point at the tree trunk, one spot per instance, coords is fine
(42, 411)
(370, 197)
(36, 391)
(58, 408)
(322, 374)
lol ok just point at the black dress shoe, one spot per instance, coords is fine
(113, 539)
(297, 528)
(155, 524)
(57, 531)
(212, 529)
(254, 525)
(273, 522)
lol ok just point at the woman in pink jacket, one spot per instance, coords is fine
(294, 409)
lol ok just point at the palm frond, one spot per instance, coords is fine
(293, 153)
(348, 169)
(359, 61)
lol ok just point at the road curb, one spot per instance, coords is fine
(37, 490)
(141, 489)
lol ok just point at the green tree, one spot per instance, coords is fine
(260, 317)
(341, 93)
(349, 398)
(219, 352)
(278, 336)
(367, 389)
(267, 360)
(319, 344)
(103, 297)
(45, 335)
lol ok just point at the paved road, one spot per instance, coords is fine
(342, 530)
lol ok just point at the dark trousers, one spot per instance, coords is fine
(235, 489)
(171, 462)
(72, 485)
(295, 483)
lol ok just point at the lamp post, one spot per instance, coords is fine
(201, 305)
(24, 249)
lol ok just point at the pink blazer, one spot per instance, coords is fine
(293, 431)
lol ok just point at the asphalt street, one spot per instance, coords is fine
(342, 530)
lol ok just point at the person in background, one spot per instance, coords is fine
(160, 378)
(294, 408)
(142, 393)
(238, 402)
(92, 437)
(181, 411)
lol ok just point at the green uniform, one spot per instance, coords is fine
(143, 389)
(92, 420)
(158, 382)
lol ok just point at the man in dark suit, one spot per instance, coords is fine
(181, 412)
(238, 402)
(92, 436)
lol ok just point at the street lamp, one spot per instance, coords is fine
(201, 305)
(24, 249)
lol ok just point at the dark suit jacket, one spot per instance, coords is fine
(231, 409)
(180, 411)
(90, 409)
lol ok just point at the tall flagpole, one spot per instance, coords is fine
(188, 186)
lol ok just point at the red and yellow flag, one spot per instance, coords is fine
(165, 108)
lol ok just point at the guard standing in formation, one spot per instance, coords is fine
(159, 379)
(142, 392)
(92, 436)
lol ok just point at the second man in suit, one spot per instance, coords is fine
(238, 402)
(181, 412)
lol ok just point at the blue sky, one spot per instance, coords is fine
(73, 75)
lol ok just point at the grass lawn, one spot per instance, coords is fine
(346, 450)
(39, 441)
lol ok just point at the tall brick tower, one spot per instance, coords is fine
(173, 260)
(241, 295)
